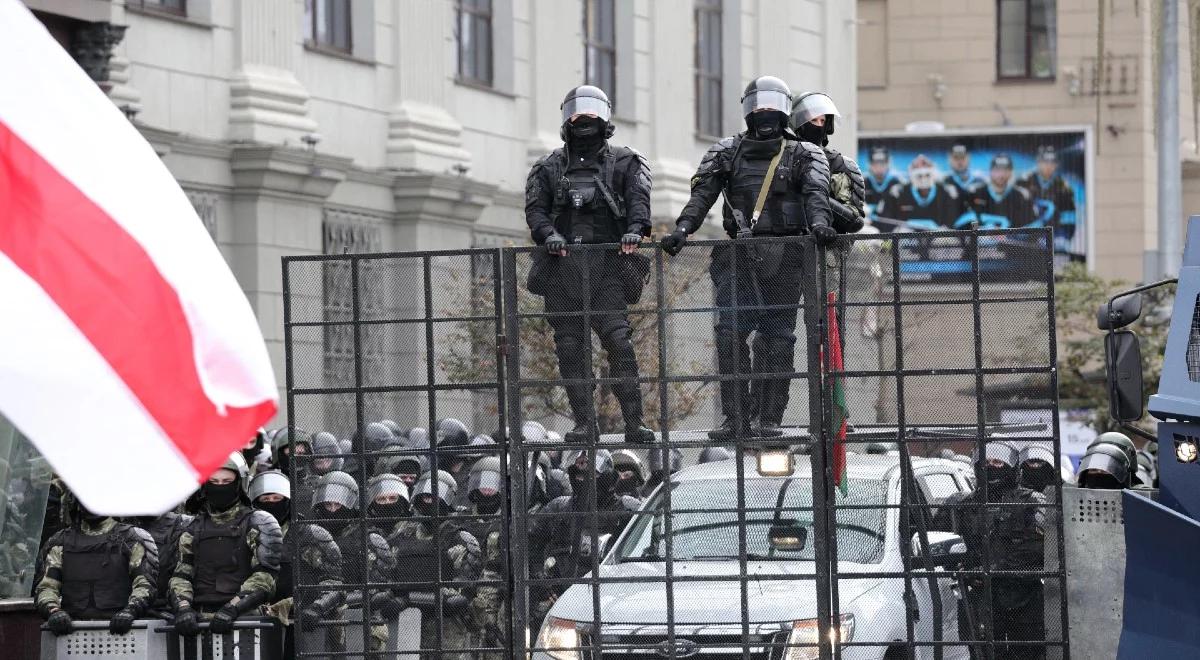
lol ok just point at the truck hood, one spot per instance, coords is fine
(772, 599)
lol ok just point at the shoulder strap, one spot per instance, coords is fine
(766, 184)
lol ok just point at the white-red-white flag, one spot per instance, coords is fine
(128, 353)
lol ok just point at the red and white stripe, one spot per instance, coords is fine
(128, 352)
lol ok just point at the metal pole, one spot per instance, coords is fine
(1170, 215)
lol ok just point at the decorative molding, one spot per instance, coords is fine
(293, 172)
(122, 93)
(205, 204)
(348, 231)
(441, 197)
(268, 105)
(92, 47)
(425, 138)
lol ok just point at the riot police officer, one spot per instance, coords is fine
(562, 542)
(773, 187)
(1004, 529)
(309, 553)
(1037, 468)
(812, 120)
(486, 523)
(336, 504)
(96, 568)
(228, 557)
(632, 473)
(590, 191)
(165, 530)
(282, 446)
(388, 504)
(416, 543)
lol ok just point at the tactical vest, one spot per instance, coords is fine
(417, 558)
(487, 532)
(285, 582)
(95, 570)
(580, 209)
(221, 559)
(783, 212)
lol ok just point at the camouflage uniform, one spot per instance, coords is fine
(373, 563)
(251, 570)
(82, 578)
(310, 554)
(165, 530)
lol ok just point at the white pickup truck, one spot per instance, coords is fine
(781, 609)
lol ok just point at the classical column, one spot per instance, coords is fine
(267, 103)
(422, 133)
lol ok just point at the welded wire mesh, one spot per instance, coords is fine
(676, 483)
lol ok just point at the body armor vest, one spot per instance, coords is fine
(222, 559)
(418, 557)
(581, 211)
(284, 582)
(487, 532)
(783, 212)
(95, 571)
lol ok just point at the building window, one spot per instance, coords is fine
(708, 67)
(177, 7)
(474, 34)
(327, 24)
(600, 46)
(1025, 39)
(872, 44)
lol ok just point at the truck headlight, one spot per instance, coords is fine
(559, 639)
(806, 632)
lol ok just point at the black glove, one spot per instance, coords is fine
(824, 234)
(59, 623)
(222, 622)
(121, 622)
(555, 243)
(186, 622)
(672, 243)
(387, 604)
(631, 239)
(309, 619)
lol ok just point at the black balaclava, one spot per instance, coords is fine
(486, 504)
(221, 497)
(767, 125)
(1039, 475)
(427, 505)
(810, 132)
(283, 462)
(88, 516)
(251, 454)
(631, 486)
(1000, 478)
(282, 509)
(586, 135)
(397, 509)
(1101, 481)
(335, 521)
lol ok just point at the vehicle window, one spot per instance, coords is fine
(938, 486)
(704, 521)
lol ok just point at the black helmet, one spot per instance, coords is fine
(446, 490)
(809, 105)
(325, 444)
(625, 460)
(881, 447)
(587, 100)
(766, 93)
(484, 444)
(1104, 466)
(1121, 441)
(372, 438)
(452, 433)
(714, 454)
(282, 439)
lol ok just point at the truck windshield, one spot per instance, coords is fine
(704, 521)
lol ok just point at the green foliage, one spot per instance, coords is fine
(1081, 384)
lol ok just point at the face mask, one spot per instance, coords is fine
(922, 177)
(765, 125)
(283, 463)
(1000, 477)
(427, 506)
(88, 516)
(337, 521)
(586, 127)
(487, 504)
(281, 509)
(221, 497)
(397, 509)
(810, 132)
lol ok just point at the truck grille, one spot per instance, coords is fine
(702, 647)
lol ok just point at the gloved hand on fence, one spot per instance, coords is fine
(824, 234)
(187, 623)
(59, 623)
(222, 622)
(309, 619)
(629, 242)
(672, 243)
(121, 622)
(387, 604)
(556, 244)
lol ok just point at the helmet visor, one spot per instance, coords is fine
(335, 493)
(388, 487)
(586, 105)
(767, 99)
(1105, 463)
(426, 486)
(484, 479)
(813, 105)
(270, 482)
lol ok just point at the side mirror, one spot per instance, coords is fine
(605, 540)
(1124, 376)
(1122, 312)
(945, 548)
(788, 535)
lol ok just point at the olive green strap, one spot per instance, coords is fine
(766, 184)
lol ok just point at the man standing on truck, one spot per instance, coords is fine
(1004, 527)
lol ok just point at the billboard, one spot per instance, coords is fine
(999, 179)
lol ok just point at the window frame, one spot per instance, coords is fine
(488, 16)
(611, 49)
(700, 76)
(157, 7)
(1028, 75)
(312, 35)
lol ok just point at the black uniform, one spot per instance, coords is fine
(1055, 203)
(798, 200)
(847, 216)
(165, 530)
(1012, 208)
(939, 207)
(565, 196)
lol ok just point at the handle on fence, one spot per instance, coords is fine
(254, 623)
(102, 624)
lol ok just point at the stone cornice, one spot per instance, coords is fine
(285, 170)
(442, 197)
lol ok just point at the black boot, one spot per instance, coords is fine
(622, 363)
(735, 400)
(584, 432)
(571, 365)
(778, 357)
